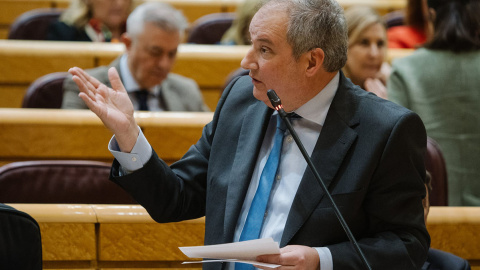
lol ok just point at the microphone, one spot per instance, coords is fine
(277, 104)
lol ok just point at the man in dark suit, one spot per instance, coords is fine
(154, 31)
(368, 151)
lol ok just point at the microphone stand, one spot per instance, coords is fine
(277, 104)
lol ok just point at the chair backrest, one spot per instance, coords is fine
(394, 18)
(45, 92)
(435, 164)
(60, 181)
(33, 24)
(20, 240)
(210, 28)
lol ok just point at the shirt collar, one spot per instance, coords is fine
(316, 109)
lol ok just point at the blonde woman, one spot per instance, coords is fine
(238, 33)
(367, 49)
(92, 20)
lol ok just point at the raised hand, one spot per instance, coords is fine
(111, 105)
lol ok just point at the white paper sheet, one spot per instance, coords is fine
(245, 251)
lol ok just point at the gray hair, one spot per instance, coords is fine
(317, 24)
(162, 15)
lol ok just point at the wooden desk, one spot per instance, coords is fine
(192, 9)
(69, 237)
(24, 61)
(456, 230)
(36, 134)
(126, 237)
(111, 237)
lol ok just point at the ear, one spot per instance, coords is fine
(127, 40)
(432, 14)
(315, 59)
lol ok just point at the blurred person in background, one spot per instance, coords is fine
(238, 33)
(91, 20)
(367, 49)
(440, 82)
(414, 33)
(154, 31)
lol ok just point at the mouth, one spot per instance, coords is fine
(254, 80)
(372, 66)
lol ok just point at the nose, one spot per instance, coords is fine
(374, 50)
(249, 61)
(164, 62)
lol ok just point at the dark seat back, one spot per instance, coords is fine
(60, 181)
(45, 92)
(435, 164)
(20, 240)
(33, 24)
(209, 29)
(394, 18)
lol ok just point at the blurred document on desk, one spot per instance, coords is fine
(245, 251)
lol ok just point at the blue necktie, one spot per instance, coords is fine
(253, 224)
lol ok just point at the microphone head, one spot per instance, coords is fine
(274, 99)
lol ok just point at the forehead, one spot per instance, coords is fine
(374, 30)
(269, 24)
(156, 37)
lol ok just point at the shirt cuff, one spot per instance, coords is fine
(139, 156)
(326, 261)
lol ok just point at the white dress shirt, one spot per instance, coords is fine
(291, 168)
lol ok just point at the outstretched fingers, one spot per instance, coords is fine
(115, 80)
(90, 89)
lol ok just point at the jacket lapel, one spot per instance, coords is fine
(253, 127)
(169, 97)
(335, 140)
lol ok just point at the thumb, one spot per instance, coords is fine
(114, 78)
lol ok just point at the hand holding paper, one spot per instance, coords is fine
(245, 252)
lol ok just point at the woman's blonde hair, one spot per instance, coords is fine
(359, 18)
(238, 32)
(77, 14)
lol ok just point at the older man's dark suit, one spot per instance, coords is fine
(369, 153)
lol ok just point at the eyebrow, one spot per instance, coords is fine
(265, 40)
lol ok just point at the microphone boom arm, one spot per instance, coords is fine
(276, 103)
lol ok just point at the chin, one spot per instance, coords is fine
(261, 95)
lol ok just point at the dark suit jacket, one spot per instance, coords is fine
(441, 260)
(62, 32)
(369, 154)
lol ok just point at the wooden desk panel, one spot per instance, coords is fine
(127, 238)
(456, 230)
(24, 61)
(32, 134)
(68, 232)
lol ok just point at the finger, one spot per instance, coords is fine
(83, 87)
(273, 258)
(114, 78)
(86, 78)
(91, 104)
